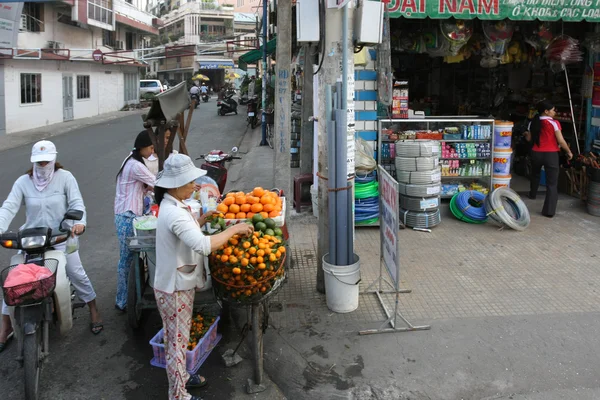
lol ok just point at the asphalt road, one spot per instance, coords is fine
(115, 364)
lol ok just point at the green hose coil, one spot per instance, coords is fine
(366, 190)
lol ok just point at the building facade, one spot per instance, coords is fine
(72, 59)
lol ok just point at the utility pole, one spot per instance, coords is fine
(265, 22)
(307, 128)
(330, 73)
(283, 100)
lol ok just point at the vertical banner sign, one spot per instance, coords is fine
(388, 224)
(10, 18)
(350, 120)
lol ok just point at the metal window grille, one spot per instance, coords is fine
(101, 11)
(31, 88)
(83, 87)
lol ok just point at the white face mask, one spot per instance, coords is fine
(43, 175)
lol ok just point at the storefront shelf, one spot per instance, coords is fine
(466, 159)
(467, 177)
(465, 140)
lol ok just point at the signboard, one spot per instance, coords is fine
(388, 224)
(10, 20)
(518, 10)
(97, 55)
(209, 65)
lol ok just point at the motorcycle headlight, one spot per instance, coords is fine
(33, 242)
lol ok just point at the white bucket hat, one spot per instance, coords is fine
(43, 150)
(179, 170)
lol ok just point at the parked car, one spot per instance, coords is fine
(151, 86)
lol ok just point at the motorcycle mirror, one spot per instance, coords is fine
(75, 215)
(234, 149)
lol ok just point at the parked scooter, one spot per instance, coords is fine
(34, 306)
(227, 105)
(244, 99)
(215, 165)
(196, 99)
(252, 112)
(205, 97)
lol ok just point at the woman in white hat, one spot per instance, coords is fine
(180, 247)
(38, 189)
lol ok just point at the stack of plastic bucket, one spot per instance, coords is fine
(502, 154)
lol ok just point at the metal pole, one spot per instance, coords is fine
(331, 184)
(263, 140)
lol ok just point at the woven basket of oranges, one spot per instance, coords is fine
(247, 269)
(239, 206)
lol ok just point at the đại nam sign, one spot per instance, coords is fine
(518, 10)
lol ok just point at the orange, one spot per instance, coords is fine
(256, 208)
(245, 207)
(233, 242)
(222, 208)
(252, 250)
(249, 214)
(252, 199)
(246, 245)
(281, 249)
(248, 292)
(260, 259)
(262, 266)
(230, 194)
(278, 208)
(234, 260)
(228, 251)
(260, 252)
(274, 214)
(258, 191)
(230, 216)
(240, 199)
(240, 215)
(224, 258)
(253, 260)
(236, 271)
(229, 200)
(265, 199)
(264, 214)
(268, 208)
(245, 262)
(272, 257)
(234, 208)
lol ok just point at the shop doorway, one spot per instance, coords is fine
(67, 97)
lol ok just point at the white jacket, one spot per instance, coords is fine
(180, 246)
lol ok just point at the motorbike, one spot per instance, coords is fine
(196, 99)
(214, 165)
(205, 97)
(33, 306)
(244, 99)
(252, 111)
(227, 105)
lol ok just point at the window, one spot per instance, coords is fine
(83, 87)
(130, 41)
(101, 11)
(148, 84)
(109, 38)
(31, 88)
(32, 17)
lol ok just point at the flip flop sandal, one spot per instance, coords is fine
(96, 327)
(196, 381)
(8, 339)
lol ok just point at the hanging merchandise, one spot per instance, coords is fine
(498, 35)
(538, 35)
(435, 45)
(385, 75)
(457, 32)
(562, 51)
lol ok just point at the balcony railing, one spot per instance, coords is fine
(132, 12)
(98, 10)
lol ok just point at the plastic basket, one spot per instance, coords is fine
(194, 358)
(31, 292)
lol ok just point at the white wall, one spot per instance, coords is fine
(106, 92)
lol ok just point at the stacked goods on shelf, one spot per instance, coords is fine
(502, 154)
(295, 143)
(419, 176)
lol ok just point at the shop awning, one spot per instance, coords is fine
(517, 10)
(253, 56)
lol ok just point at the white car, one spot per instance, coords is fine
(151, 86)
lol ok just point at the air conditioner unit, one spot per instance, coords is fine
(23, 25)
(119, 45)
(54, 45)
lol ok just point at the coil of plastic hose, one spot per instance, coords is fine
(504, 207)
(417, 148)
(423, 220)
(416, 163)
(366, 209)
(370, 177)
(420, 177)
(468, 206)
(432, 189)
(419, 203)
(366, 190)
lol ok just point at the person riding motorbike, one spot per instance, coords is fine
(194, 90)
(48, 191)
(204, 88)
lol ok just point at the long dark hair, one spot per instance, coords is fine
(57, 166)
(536, 124)
(141, 141)
(159, 194)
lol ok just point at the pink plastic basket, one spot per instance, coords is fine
(32, 292)
(194, 358)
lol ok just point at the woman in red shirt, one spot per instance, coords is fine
(546, 134)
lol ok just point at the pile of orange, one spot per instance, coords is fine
(246, 268)
(240, 205)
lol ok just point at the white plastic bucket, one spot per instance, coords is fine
(342, 285)
(314, 195)
(502, 162)
(503, 134)
(499, 181)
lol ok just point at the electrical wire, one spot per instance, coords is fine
(417, 148)
(504, 207)
(419, 203)
(416, 163)
(322, 32)
(420, 177)
(422, 220)
(468, 206)
(419, 190)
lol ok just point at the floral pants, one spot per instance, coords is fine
(176, 313)
(124, 225)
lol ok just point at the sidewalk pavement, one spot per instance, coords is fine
(17, 139)
(512, 314)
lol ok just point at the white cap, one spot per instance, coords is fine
(178, 171)
(43, 150)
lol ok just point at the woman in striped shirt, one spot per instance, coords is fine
(133, 181)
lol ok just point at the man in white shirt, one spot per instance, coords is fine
(194, 90)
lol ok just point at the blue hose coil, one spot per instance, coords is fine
(471, 204)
